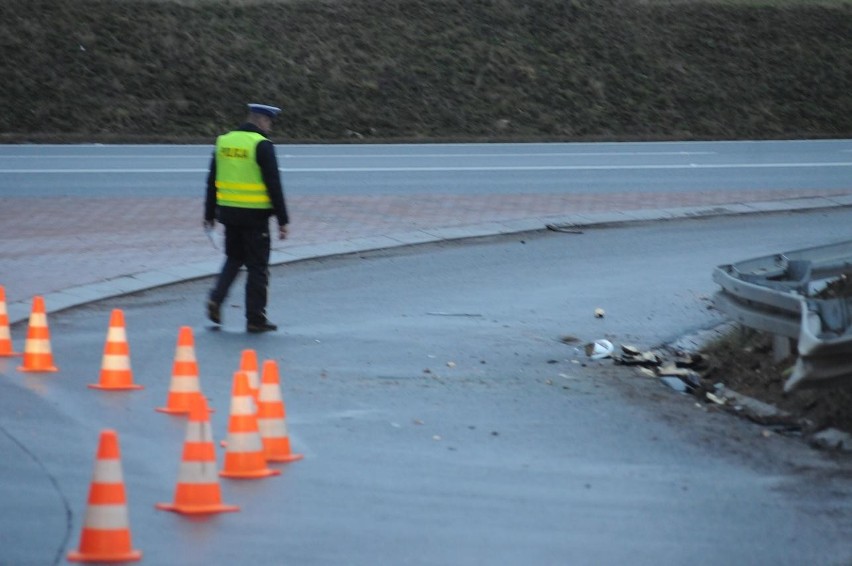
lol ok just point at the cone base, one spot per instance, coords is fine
(265, 472)
(197, 509)
(129, 556)
(36, 370)
(284, 457)
(115, 387)
(9, 354)
(171, 411)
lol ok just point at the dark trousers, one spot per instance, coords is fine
(249, 247)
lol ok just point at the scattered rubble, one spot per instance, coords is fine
(832, 439)
(683, 372)
(738, 360)
(599, 349)
(692, 374)
(632, 356)
(675, 383)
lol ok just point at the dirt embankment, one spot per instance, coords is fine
(399, 70)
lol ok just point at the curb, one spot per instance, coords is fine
(126, 284)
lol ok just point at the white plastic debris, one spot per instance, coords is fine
(600, 349)
(715, 398)
(599, 313)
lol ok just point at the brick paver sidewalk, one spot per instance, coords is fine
(48, 245)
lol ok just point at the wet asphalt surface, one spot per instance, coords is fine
(441, 418)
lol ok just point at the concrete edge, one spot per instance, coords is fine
(57, 301)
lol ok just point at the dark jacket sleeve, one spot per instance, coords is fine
(272, 179)
(210, 198)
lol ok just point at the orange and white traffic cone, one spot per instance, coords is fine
(198, 491)
(272, 417)
(115, 367)
(6, 349)
(106, 525)
(185, 384)
(37, 354)
(248, 364)
(244, 457)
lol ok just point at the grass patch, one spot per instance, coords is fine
(427, 69)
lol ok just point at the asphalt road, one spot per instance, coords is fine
(441, 418)
(460, 169)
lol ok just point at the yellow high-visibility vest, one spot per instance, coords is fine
(239, 182)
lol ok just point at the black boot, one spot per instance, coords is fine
(259, 327)
(214, 312)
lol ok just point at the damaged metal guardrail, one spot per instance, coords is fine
(804, 295)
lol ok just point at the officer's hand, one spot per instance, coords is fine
(282, 232)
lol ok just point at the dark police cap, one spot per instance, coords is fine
(264, 109)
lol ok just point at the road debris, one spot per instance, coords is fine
(687, 375)
(599, 349)
(599, 313)
(689, 360)
(632, 356)
(698, 375)
(463, 314)
(630, 350)
(564, 228)
(716, 399)
(675, 383)
(682, 373)
(832, 439)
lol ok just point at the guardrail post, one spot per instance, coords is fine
(781, 348)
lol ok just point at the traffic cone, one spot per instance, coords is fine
(198, 490)
(115, 367)
(248, 364)
(6, 349)
(272, 417)
(106, 525)
(37, 354)
(244, 454)
(185, 384)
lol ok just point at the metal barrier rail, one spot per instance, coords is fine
(805, 295)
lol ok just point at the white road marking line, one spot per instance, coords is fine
(451, 169)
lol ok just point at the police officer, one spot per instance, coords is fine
(243, 191)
